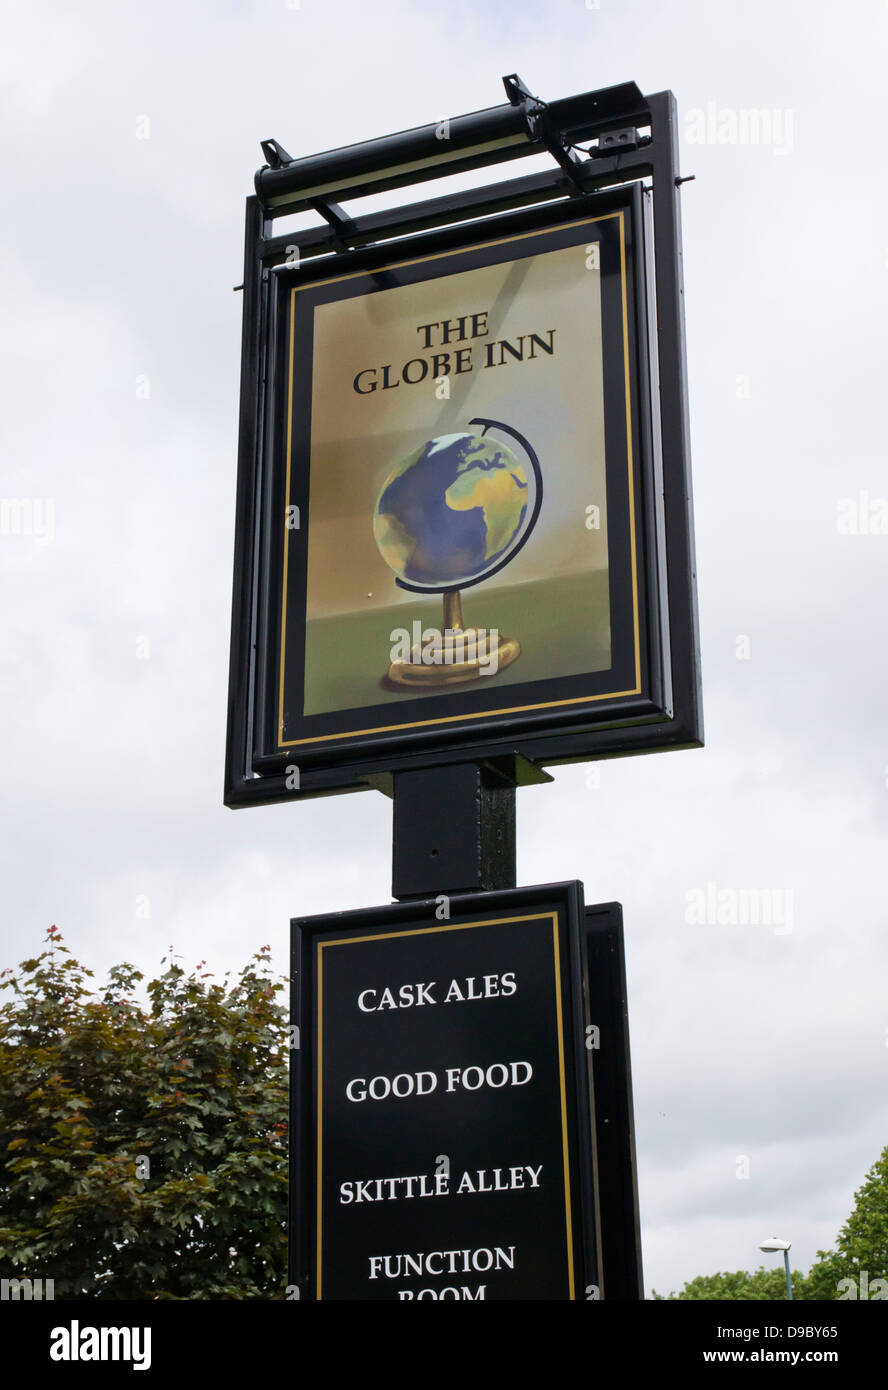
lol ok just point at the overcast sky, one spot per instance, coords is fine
(119, 255)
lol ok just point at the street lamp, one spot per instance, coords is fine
(769, 1246)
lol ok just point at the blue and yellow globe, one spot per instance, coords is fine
(452, 511)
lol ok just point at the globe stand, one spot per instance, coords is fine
(456, 654)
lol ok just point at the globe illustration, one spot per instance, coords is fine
(453, 511)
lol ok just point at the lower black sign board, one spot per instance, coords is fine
(441, 1109)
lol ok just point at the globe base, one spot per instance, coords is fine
(455, 657)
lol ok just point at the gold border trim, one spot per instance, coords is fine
(562, 1081)
(515, 709)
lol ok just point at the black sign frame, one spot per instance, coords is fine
(636, 686)
(662, 709)
(622, 1277)
(562, 905)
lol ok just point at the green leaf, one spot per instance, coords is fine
(195, 1079)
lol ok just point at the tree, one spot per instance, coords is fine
(858, 1267)
(741, 1285)
(143, 1148)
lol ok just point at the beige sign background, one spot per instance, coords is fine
(554, 399)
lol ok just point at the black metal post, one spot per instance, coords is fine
(453, 830)
(614, 1116)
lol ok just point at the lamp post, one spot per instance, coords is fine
(769, 1246)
